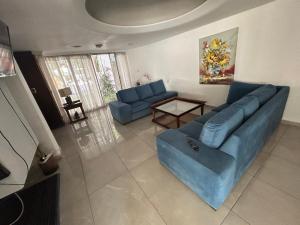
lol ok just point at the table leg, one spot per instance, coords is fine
(69, 116)
(178, 122)
(82, 110)
(202, 110)
(153, 114)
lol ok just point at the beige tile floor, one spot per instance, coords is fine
(110, 175)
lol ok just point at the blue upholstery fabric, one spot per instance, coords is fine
(192, 129)
(238, 90)
(134, 103)
(128, 95)
(141, 114)
(205, 117)
(144, 91)
(120, 111)
(221, 125)
(249, 104)
(220, 107)
(158, 87)
(264, 93)
(212, 173)
(153, 99)
(138, 106)
(208, 172)
(161, 97)
(168, 94)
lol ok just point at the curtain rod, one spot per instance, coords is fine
(77, 54)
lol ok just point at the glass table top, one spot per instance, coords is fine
(177, 107)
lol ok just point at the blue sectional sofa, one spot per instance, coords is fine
(134, 103)
(227, 140)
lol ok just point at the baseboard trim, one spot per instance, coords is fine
(287, 122)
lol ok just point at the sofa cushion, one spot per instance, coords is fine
(192, 129)
(168, 94)
(128, 95)
(153, 99)
(264, 93)
(221, 125)
(144, 91)
(138, 106)
(240, 89)
(205, 117)
(220, 107)
(161, 97)
(249, 104)
(158, 87)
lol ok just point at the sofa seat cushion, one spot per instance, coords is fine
(205, 117)
(220, 107)
(144, 91)
(264, 93)
(208, 172)
(153, 99)
(240, 89)
(128, 95)
(192, 129)
(168, 94)
(221, 125)
(158, 87)
(249, 104)
(161, 97)
(138, 106)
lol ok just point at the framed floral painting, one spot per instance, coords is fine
(217, 57)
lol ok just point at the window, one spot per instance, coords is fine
(94, 79)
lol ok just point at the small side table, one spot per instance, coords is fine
(74, 105)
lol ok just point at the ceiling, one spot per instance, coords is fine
(54, 27)
(137, 12)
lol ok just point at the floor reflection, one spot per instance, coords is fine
(91, 137)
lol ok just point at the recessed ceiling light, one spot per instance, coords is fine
(99, 45)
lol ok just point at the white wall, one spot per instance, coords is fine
(25, 100)
(268, 51)
(16, 137)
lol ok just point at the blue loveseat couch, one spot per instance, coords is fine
(228, 140)
(134, 103)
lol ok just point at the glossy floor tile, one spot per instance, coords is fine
(234, 219)
(110, 175)
(263, 204)
(122, 202)
(281, 174)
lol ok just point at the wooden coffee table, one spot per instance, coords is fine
(176, 107)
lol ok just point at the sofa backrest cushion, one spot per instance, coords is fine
(249, 104)
(144, 91)
(128, 95)
(238, 90)
(158, 87)
(221, 125)
(264, 93)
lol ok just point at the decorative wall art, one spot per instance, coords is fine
(217, 57)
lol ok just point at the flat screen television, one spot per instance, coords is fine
(6, 54)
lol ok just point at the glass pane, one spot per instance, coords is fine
(177, 107)
(105, 76)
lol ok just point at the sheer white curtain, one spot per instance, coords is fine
(77, 73)
(123, 69)
(93, 79)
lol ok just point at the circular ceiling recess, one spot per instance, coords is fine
(139, 12)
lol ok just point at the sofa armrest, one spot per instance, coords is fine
(120, 111)
(173, 140)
